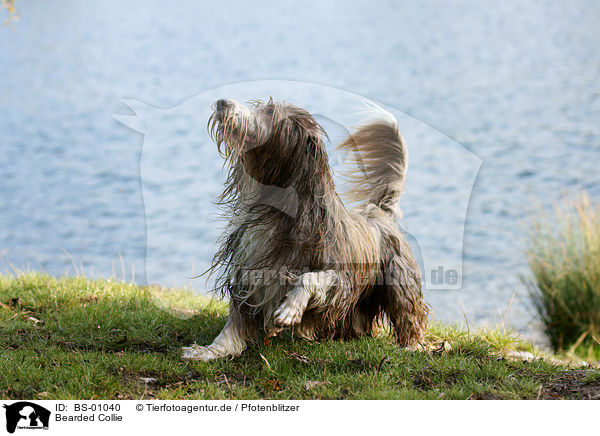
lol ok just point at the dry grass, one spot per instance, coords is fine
(564, 257)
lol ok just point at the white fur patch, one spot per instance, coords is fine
(230, 342)
(311, 289)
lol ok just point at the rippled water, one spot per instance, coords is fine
(515, 83)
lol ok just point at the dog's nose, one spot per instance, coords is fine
(222, 104)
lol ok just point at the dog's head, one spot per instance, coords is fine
(273, 140)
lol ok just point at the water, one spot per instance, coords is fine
(515, 83)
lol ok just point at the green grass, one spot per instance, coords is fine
(73, 338)
(564, 257)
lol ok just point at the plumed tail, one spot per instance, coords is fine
(379, 161)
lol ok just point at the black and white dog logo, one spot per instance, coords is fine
(26, 415)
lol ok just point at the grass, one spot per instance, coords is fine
(564, 257)
(73, 338)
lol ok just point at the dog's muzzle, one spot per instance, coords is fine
(223, 104)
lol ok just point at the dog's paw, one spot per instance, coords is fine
(290, 312)
(196, 352)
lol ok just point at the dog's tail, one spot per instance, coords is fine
(379, 159)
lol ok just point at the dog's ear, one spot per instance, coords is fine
(307, 123)
(315, 134)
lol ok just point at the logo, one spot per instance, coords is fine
(26, 415)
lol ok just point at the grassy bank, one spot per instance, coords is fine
(79, 339)
(564, 257)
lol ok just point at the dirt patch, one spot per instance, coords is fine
(572, 385)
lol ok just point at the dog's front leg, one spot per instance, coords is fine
(230, 342)
(310, 290)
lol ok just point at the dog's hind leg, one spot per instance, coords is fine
(230, 342)
(310, 290)
(403, 300)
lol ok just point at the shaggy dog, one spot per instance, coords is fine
(292, 255)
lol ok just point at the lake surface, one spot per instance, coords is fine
(499, 105)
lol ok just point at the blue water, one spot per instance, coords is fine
(517, 84)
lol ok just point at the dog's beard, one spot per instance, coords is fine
(233, 132)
